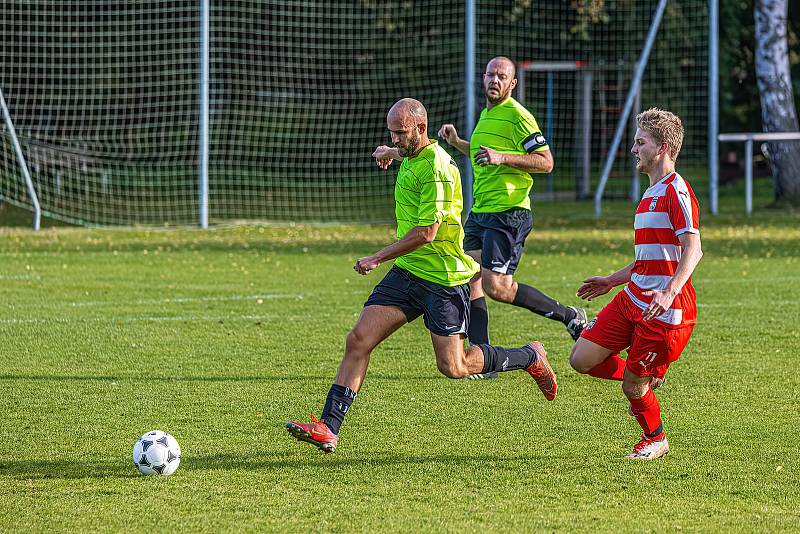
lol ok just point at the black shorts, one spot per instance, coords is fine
(445, 309)
(499, 236)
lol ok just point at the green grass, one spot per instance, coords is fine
(221, 336)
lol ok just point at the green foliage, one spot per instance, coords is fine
(221, 336)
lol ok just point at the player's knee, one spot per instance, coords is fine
(496, 289)
(577, 360)
(634, 390)
(355, 340)
(451, 369)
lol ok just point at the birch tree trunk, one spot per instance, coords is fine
(778, 112)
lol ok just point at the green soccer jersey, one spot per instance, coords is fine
(509, 128)
(428, 190)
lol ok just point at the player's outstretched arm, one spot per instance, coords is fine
(411, 241)
(448, 133)
(533, 162)
(595, 286)
(691, 253)
(384, 155)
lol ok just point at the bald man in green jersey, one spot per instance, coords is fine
(505, 148)
(430, 278)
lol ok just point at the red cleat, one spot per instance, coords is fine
(541, 371)
(316, 432)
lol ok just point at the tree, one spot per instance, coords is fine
(778, 112)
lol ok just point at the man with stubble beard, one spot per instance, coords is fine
(430, 278)
(505, 149)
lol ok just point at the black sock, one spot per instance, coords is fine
(655, 433)
(478, 330)
(531, 298)
(502, 359)
(336, 405)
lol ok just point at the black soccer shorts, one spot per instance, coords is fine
(445, 310)
(499, 236)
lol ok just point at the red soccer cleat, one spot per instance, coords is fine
(316, 432)
(541, 371)
(649, 449)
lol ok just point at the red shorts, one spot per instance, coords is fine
(652, 347)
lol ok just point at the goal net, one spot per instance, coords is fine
(105, 98)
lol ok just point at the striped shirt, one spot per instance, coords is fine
(667, 209)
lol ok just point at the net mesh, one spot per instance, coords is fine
(601, 40)
(104, 98)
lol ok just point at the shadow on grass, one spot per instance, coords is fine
(579, 244)
(319, 460)
(66, 469)
(244, 378)
(268, 460)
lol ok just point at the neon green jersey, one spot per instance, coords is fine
(428, 190)
(509, 128)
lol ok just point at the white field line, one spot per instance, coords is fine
(135, 319)
(704, 280)
(146, 302)
(20, 277)
(185, 300)
(739, 304)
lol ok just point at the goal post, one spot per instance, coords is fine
(23, 165)
(630, 101)
(583, 106)
(123, 121)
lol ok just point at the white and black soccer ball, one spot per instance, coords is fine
(157, 453)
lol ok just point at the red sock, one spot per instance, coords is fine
(612, 368)
(648, 413)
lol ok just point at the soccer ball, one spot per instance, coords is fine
(157, 453)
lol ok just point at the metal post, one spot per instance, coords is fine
(713, 104)
(636, 184)
(637, 79)
(583, 187)
(37, 210)
(549, 124)
(203, 148)
(469, 96)
(748, 175)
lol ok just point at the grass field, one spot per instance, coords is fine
(221, 336)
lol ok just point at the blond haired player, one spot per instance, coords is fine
(653, 316)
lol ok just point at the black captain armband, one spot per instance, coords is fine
(533, 142)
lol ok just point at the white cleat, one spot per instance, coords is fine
(482, 376)
(575, 326)
(649, 449)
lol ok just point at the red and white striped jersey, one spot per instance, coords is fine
(667, 210)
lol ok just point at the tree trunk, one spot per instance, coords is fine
(778, 112)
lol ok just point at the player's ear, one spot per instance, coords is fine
(513, 83)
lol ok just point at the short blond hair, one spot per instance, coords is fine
(665, 127)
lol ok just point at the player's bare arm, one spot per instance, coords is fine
(691, 253)
(411, 241)
(385, 154)
(533, 162)
(595, 286)
(449, 133)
